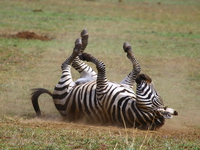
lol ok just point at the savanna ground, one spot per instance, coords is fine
(165, 36)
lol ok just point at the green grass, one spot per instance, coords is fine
(165, 38)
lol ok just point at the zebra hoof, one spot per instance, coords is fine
(127, 47)
(84, 35)
(78, 44)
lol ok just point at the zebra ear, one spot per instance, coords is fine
(143, 77)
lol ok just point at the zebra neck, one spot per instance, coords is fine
(144, 104)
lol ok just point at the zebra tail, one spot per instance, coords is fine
(34, 98)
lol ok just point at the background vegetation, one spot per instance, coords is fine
(165, 36)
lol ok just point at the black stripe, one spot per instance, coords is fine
(131, 116)
(139, 117)
(92, 100)
(60, 107)
(61, 88)
(125, 114)
(64, 81)
(59, 97)
(73, 105)
(113, 113)
(79, 101)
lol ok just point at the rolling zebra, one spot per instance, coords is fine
(96, 100)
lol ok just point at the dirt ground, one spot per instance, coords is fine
(186, 133)
(28, 35)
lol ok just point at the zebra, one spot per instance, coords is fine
(96, 100)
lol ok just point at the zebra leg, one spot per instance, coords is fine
(130, 78)
(66, 83)
(102, 82)
(86, 72)
(75, 53)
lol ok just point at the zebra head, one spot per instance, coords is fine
(149, 100)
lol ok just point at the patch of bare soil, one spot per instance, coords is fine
(28, 35)
(187, 133)
(37, 10)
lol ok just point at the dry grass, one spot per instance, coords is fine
(165, 38)
(56, 134)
